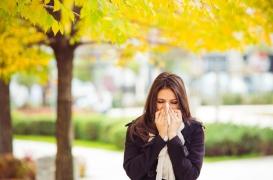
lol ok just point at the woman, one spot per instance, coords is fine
(165, 142)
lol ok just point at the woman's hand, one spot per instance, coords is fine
(161, 123)
(175, 122)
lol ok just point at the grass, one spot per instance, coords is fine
(111, 147)
(228, 158)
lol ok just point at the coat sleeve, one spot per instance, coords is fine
(138, 160)
(187, 163)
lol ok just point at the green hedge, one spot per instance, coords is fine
(230, 139)
(220, 139)
(252, 98)
(95, 127)
(87, 128)
(29, 127)
(237, 98)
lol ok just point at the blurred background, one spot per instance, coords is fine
(228, 74)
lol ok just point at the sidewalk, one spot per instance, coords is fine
(100, 164)
(104, 165)
(246, 169)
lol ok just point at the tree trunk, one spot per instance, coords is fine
(64, 54)
(5, 119)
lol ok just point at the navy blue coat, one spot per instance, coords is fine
(140, 158)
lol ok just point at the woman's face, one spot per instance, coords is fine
(164, 96)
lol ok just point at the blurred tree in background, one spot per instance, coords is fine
(19, 53)
(198, 26)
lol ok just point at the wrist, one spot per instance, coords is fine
(163, 135)
(171, 135)
(165, 138)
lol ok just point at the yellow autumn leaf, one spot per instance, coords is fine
(55, 27)
(57, 5)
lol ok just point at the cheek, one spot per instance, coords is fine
(159, 106)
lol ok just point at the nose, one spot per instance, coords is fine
(166, 105)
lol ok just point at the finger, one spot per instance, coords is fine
(172, 118)
(172, 115)
(179, 113)
(169, 110)
(175, 112)
(165, 117)
(176, 120)
(163, 112)
(168, 118)
(172, 109)
(157, 113)
(160, 116)
(177, 116)
(172, 112)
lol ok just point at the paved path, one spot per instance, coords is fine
(101, 164)
(247, 169)
(104, 165)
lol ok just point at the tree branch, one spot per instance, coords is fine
(93, 42)
(73, 24)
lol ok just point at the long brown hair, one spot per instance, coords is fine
(145, 123)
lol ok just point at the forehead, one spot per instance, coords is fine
(166, 93)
